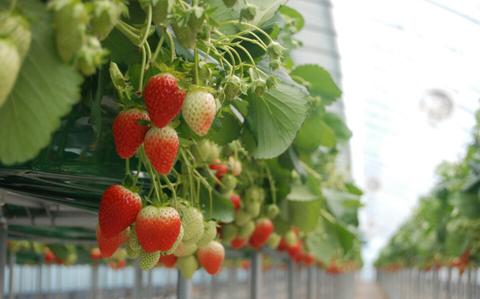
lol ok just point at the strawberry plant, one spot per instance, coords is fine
(213, 136)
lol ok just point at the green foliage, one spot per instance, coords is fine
(275, 118)
(44, 92)
(318, 81)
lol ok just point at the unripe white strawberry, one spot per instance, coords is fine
(199, 110)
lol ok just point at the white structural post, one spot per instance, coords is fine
(290, 279)
(3, 253)
(256, 276)
(184, 287)
(310, 282)
(11, 266)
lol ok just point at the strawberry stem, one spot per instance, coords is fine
(142, 72)
(148, 23)
(196, 65)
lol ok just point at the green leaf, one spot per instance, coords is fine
(266, 9)
(216, 206)
(275, 118)
(320, 83)
(45, 91)
(224, 129)
(336, 123)
(294, 15)
(314, 133)
(303, 208)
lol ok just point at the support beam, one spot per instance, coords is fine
(94, 282)
(256, 276)
(290, 280)
(138, 289)
(310, 283)
(184, 287)
(3, 252)
(11, 266)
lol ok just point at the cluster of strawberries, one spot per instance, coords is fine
(293, 245)
(164, 100)
(156, 234)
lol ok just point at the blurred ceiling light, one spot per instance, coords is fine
(437, 104)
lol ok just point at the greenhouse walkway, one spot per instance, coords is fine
(368, 290)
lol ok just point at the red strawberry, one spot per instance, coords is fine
(199, 110)
(163, 99)
(219, 168)
(161, 147)
(308, 259)
(295, 249)
(245, 264)
(95, 254)
(128, 134)
(169, 260)
(118, 209)
(121, 264)
(157, 228)
(235, 199)
(211, 257)
(238, 243)
(48, 256)
(108, 246)
(263, 229)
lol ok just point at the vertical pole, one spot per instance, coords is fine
(256, 276)
(94, 281)
(290, 279)
(39, 278)
(469, 293)
(310, 283)
(184, 287)
(137, 291)
(3, 253)
(11, 265)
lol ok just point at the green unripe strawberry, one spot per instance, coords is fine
(17, 28)
(90, 56)
(160, 12)
(133, 246)
(248, 12)
(192, 222)
(185, 248)
(187, 266)
(274, 240)
(275, 50)
(254, 194)
(272, 211)
(187, 28)
(291, 238)
(70, 22)
(208, 234)
(148, 260)
(242, 217)
(246, 230)
(132, 254)
(233, 87)
(207, 151)
(229, 232)
(10, 68)
(105, 15)
(253, 208)
(229, 182)
(229, 3)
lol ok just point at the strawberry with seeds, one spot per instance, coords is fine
(157, 228)
(118, 209)
(199, 110)
(128, 132)
(211, 257)
(163, 99)
(161, 148)
(262, 232)
(108, 246)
